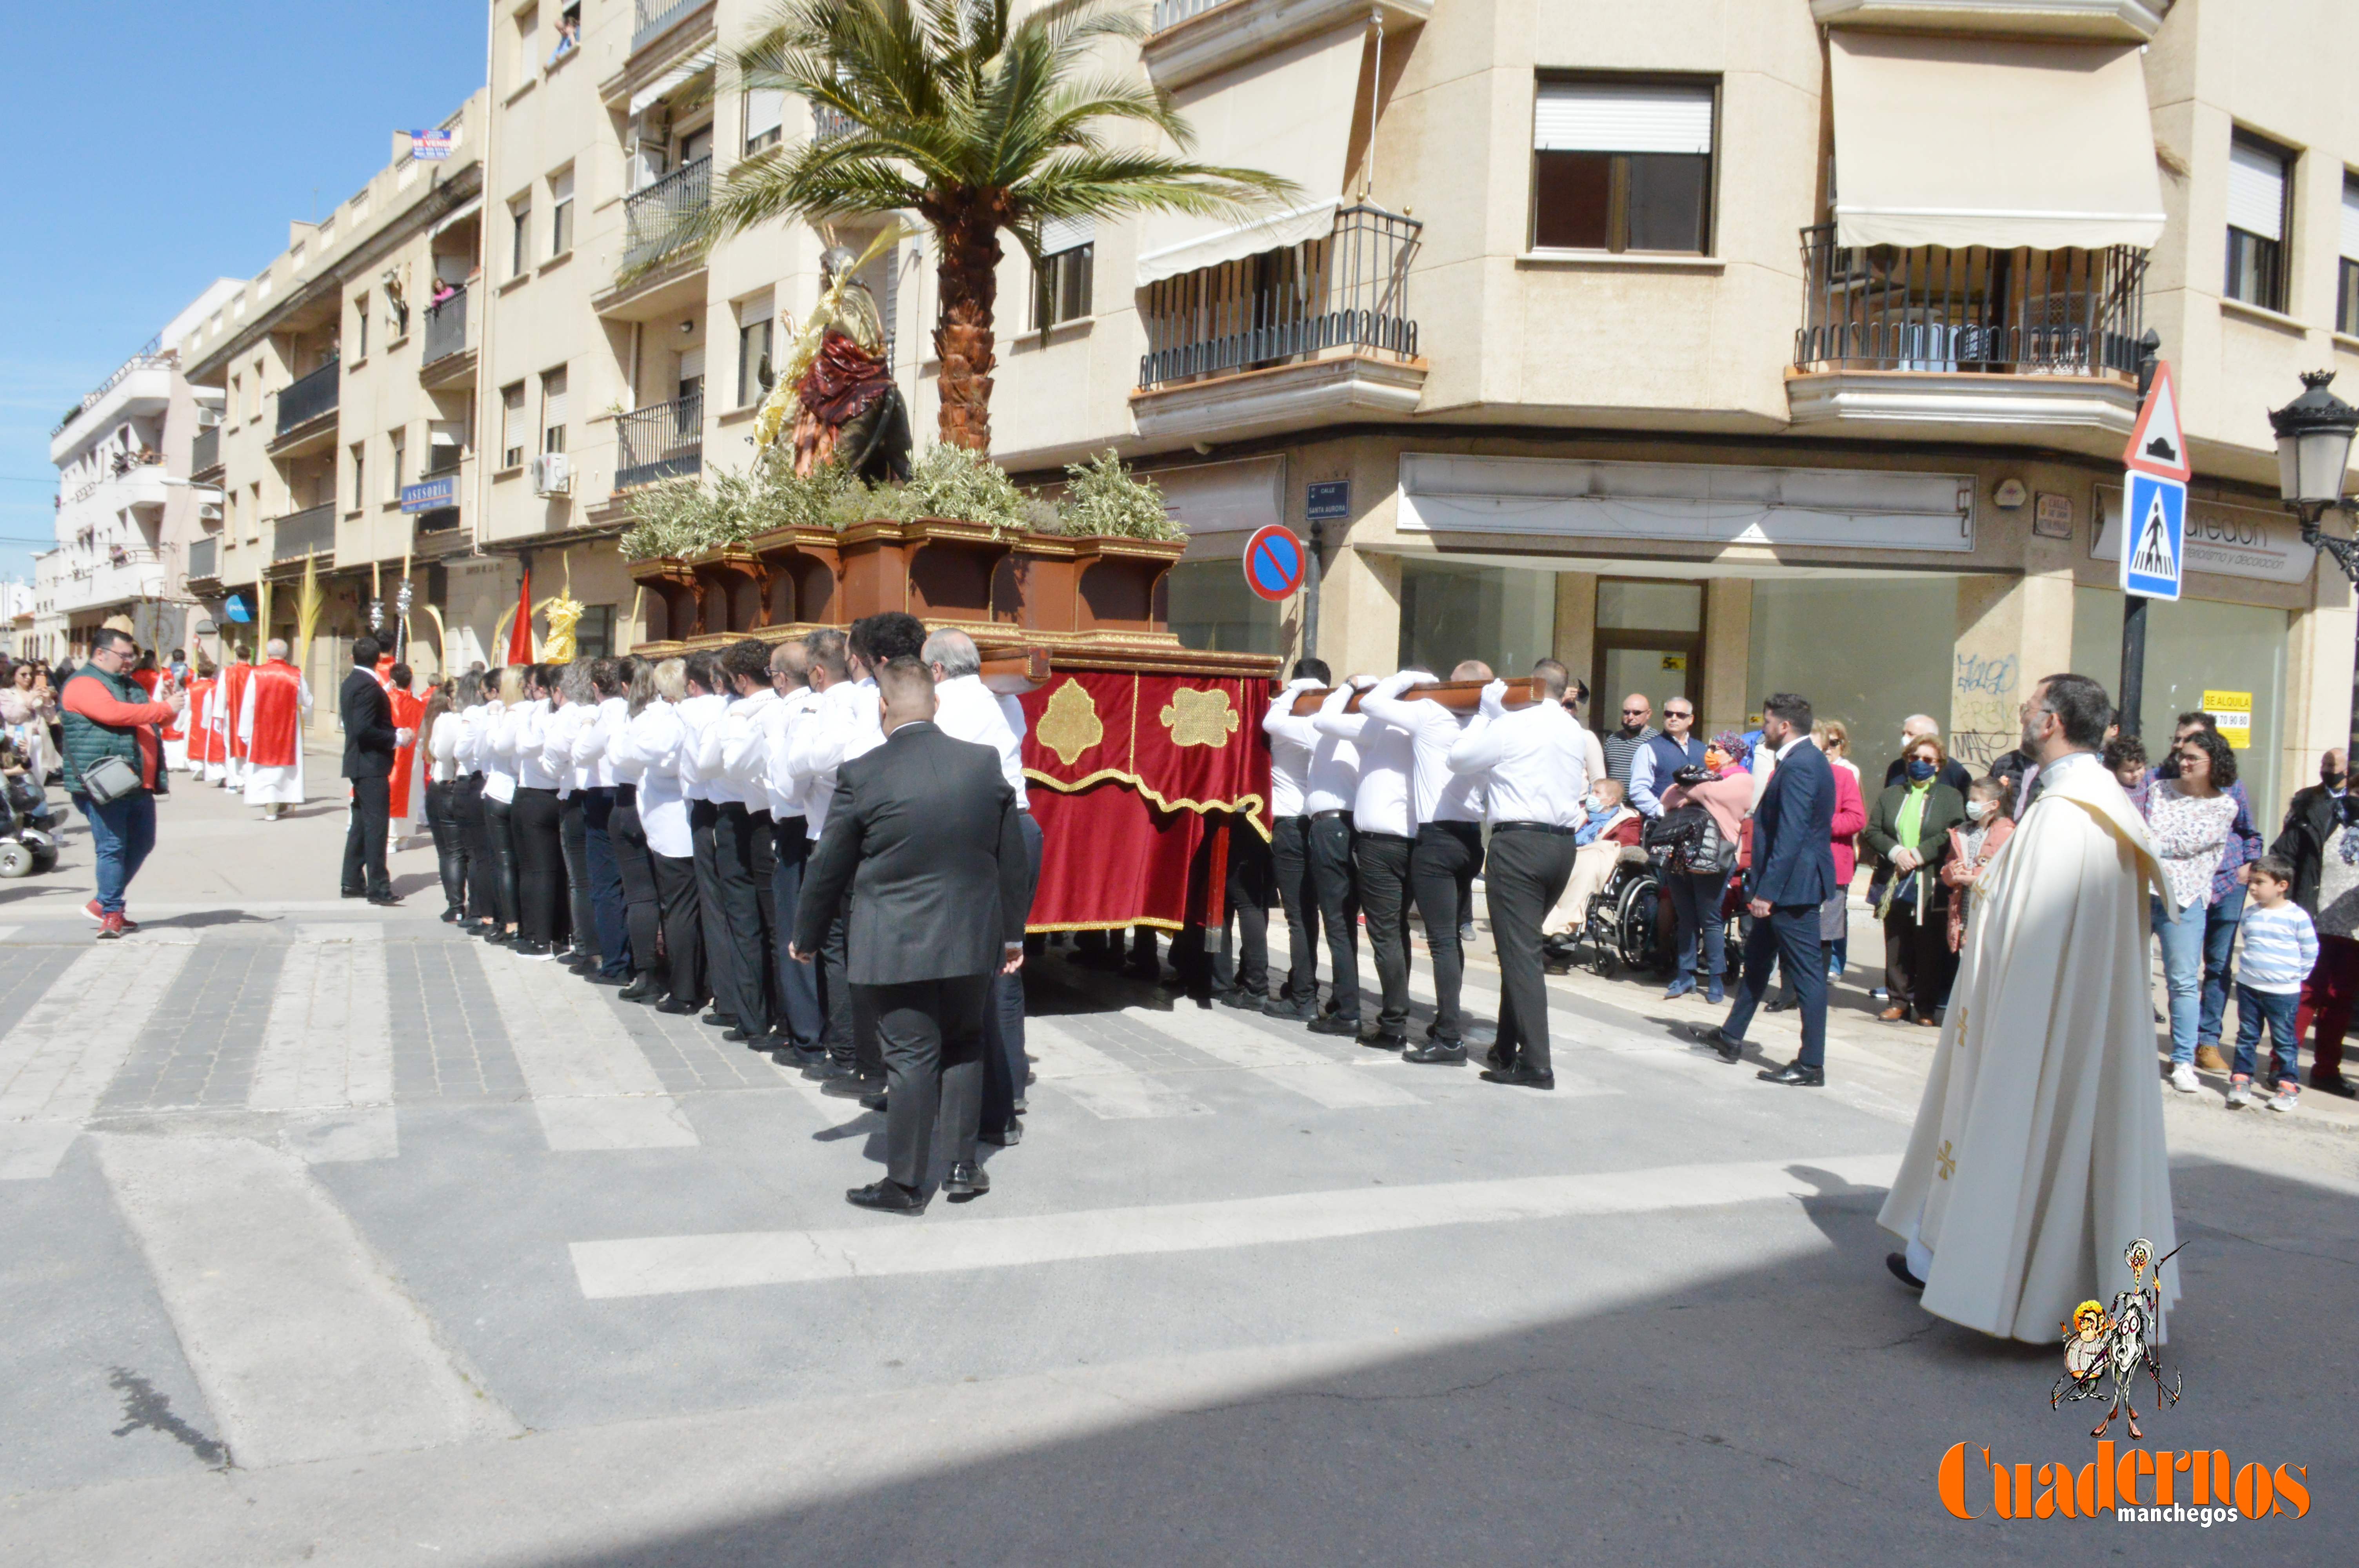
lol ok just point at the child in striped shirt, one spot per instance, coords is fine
(2278, 946)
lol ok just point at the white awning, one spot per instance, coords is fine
(459, 214)
(1289, 113)
(1964, 141)
(662, 86)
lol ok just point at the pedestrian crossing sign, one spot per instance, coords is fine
(2153, 535)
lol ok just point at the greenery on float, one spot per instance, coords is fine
(681, 517)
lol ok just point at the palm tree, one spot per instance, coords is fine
(977, 122)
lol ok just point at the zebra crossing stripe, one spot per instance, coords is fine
(1273, 1058)
(327, 1050)
(56, 1061)
(1105, 1088)
(590, 1085)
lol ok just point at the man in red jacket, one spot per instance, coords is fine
(104, 718)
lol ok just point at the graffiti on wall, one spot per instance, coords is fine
(1983, 698)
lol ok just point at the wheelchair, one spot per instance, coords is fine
(1619, 926)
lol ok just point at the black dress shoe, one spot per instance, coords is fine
(675, 1007)
(1446, 1053)
(385, 900)
(617, 982)
(826, 1071)
(873, 1102)
(736, 1035)
(354, 892)
(1782, 1004)
(1380, 1041)
(1520, 1077)
(2333, 1083)
(1496, 1056)
(966, 1183)
(1336, 1023)
(639, 990)
(886, 1196)
(1241, 999)
(1303, 1011)
(1898, 1263)
(802, 1055)
(1731, 1049)
(1794, 1074)
(1008, 1137)
(451, 917)
(500, 938)
(852, 1087)
(719, 1020)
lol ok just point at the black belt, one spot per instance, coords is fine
(535, 789)
(1385, 838)
(1452, 827)
(1324, 816)
(627, 794)
(1532, 828)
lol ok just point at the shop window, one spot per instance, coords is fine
(2258, 175)
(1870, 651)
(1211, 610)
(1649, 639)
(1504, 616)
(1623, 166)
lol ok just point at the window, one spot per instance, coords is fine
(237, 403)
(695, 145)
(560, 211)
(766, 111)
(2257, 177)
(446, 445)
(552, 410)
(594, 635)
(2347, 283)
(1621, 165)
(1061, 289)
(360, 326)
(512, 427)
(397, 452)
(688, 378)
(359, 474)
(252, 512)
(520, 236)
(755, 377)
(527, 45)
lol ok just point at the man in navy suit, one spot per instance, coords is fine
(1793, 874)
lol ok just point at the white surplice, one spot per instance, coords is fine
(2038, 1154)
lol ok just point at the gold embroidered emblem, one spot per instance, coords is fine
(1200, 718)
(1959, 1039)
(1068, 726)
(1944, 1161)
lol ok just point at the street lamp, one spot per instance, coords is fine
(2314, 433)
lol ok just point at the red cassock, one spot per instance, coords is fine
(233, 684)
(201, 748)
(277, 716)
(406, 711)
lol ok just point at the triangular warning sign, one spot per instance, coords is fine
(2157, 446)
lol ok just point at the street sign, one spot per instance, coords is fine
(2153, 535)
(430, 495)
(2157, 446)
(1329, 501)
(1274, 562)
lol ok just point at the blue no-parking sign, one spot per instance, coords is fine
(1274, 563)
(2153, 535)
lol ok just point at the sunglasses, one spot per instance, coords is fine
(1634, 713)
(1677, 713)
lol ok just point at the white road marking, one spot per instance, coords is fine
(7, 931)
(304, 1343)
(1097, 1083)
(592, 1086)
(1272, 1058)
(954, 1242)
(327, 1050)
(56, 1061)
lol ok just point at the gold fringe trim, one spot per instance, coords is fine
(1246, 803)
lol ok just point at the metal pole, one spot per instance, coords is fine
(1310, 596)
(2131, 696)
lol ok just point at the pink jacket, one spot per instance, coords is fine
(1850, 816)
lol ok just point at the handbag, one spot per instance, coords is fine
(109, 779)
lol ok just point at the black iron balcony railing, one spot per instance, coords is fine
(2021, 312)
(652, 215)
(650, 18)
(311, 532)
(308, 397)
(1347, 290)
(666, 442)
(446, 328)
(204, 559)
(205, 451)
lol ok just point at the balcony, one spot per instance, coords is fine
(1286, 338)
(652, 214)
(2118, 21)
(1968, 336)
(446, 333)
(830, 125)
(101, 576)
(204, 560)
(308, 399)
(666, 442)
(141, 384)
(311, 532)
(1192, 40)
(651, 19)
(204, 452)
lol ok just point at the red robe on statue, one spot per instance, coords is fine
(277, 716)
(233, 684)
(406, 711)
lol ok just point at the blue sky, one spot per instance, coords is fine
(165, 146)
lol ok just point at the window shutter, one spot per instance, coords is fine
(2257, 178)
(2351, 220)
(560, 186)
(552, 399)
(765, 111)
(1060, 234)
(1622, 118)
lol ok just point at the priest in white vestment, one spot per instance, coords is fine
(2038, 1154)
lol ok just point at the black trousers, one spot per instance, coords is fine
(364, 838)
(467, 806)
(1382, 859)
(931, 1032)
(540, 865)
(1289, 855)
(634, 864)
(745, 916)
(1441, 864)
(500, 843)
(852, 1038)
(683, 928)
(1789, 939)
(450, 842)
(573, 841)
(1337, 886)
(802, 1019)
(1003, 1062)
(704, 822)
(606, 883)
(1917, 963)
(1244, 966)
(1527, 875)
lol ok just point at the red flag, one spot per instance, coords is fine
(520, 635)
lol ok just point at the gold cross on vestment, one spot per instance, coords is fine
(1945, 1162)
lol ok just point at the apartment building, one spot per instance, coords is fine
(346, 375)
(125, 510)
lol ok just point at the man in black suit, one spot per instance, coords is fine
(1793, 874)
(370, 741)
(923, 831)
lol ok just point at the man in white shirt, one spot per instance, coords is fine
(966, 710)
(1333, 781)
(1534, 774)
(1446, 847)
(595, 783)
(732, 763)
(707, 698)
(803, 1023)
(1292, 743)
(1383, 822)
